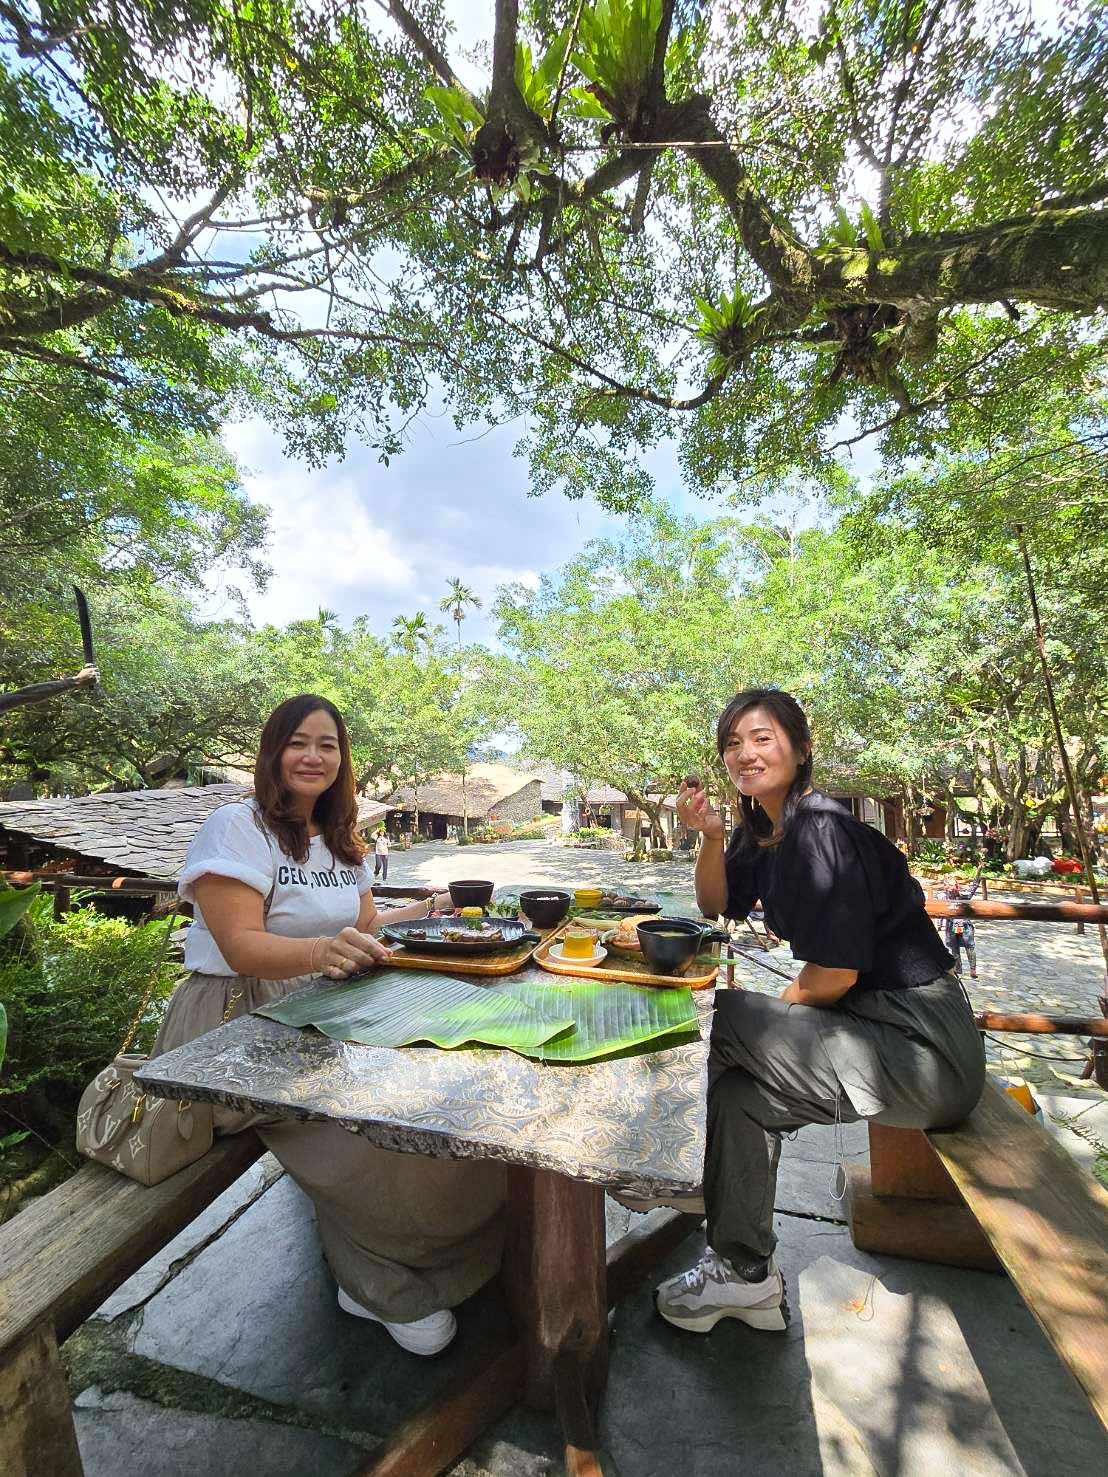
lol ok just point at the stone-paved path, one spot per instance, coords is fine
(1021, 966)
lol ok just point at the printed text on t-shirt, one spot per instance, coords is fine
(297, 877)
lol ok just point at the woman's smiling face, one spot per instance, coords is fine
(759, 757)
(311, 759)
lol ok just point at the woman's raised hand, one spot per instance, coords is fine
(696, 811)
(348, 952)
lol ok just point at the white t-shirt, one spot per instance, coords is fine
(381, 845)
(320, 897)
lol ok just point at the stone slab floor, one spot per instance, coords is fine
(227, 1356)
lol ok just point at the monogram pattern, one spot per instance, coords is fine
(140, 1135)
(634, 1124)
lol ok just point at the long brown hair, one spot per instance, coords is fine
(789, 716)
(335, 811)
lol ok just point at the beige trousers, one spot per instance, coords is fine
(403, 1234)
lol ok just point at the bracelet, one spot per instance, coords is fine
(311, 956)
(430, 906)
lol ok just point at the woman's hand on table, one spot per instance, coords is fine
(443, 902)
(347, 953)
(696, 811)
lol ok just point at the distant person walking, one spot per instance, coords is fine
(959, 933)
(381, 857)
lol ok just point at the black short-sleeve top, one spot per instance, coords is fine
(841, 895)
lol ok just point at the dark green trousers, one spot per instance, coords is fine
(908, 1058)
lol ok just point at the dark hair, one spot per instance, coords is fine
(335, 811)
(787, 713)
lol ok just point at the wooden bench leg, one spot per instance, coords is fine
(633, 1257)
(432, 1440)
(906, 1204)
(36, 1416)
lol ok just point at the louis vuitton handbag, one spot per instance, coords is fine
(145, 1138)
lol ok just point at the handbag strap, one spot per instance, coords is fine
(148, 994)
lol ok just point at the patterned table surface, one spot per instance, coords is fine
(635, 1124)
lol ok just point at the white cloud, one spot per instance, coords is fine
(325, 547)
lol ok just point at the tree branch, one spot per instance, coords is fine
(431, 54)
(770, 241)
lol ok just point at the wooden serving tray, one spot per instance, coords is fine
(486, 964)
(635, 972)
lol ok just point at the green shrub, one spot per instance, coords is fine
(71, 989)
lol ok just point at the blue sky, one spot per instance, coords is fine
(365, 539)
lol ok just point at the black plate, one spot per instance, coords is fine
(400, 933)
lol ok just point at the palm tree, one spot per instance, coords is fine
(456, 599)
(455, 602)
(410, 633)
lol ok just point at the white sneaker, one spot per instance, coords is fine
(690, 1204)
(699, 1298)
(425, 1336)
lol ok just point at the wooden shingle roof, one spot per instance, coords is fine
(146, 832)
(486, 786)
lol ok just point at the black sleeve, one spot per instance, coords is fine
(742, 886)
(834, 888)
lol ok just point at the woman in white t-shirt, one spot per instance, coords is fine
(281, 892)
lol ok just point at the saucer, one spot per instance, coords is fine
(595, 958)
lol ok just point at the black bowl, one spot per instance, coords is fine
(545, 906)
(670, 943)
(471, 894)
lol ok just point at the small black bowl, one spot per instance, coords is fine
(471, 894)
(545, 906)
(670, 943)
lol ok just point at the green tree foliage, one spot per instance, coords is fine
(619, 665)
(72, 988)
(176, 692)
(916, 663)
(762, 230)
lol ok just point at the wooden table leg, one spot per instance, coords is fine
(554, 1277)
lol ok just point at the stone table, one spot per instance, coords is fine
(566, 1132)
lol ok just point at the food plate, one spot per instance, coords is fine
(597, 957)
(449, 937)
(625, 903)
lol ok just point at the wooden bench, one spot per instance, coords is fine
(59, 1259)
(997, 1193)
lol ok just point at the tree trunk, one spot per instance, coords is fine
(465, 798)
(909, 803)
(1018, 833)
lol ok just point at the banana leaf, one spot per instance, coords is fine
(14, 902)
(610, 1018)
(399, 1007)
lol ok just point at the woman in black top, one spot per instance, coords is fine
(875, 1025)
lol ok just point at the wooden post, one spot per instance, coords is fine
(36, 1418)
(906, 1204)
(554, 1278)
(1077, 899)
(432, 1439)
